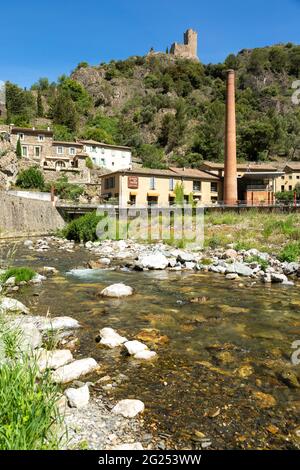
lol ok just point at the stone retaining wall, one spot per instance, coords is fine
(27, 217)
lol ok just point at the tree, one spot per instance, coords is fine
(39, 102)
(255, 139)
(32, 178)
(152, 157)
(19, 149)
(63, 110)
(179, 194)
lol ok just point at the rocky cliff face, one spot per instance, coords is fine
(8, 165)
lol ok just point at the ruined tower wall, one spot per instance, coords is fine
(188, 50)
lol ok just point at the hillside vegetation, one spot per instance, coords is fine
(171, 111)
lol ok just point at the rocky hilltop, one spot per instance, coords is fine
(170, 110)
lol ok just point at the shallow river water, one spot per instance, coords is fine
(218, 378)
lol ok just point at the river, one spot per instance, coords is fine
(218, 377)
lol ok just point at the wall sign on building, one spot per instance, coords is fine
(133, 182)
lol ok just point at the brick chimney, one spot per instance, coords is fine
(230, 170)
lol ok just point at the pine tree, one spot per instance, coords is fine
(19, 149)
(40, 108)
(167, 50)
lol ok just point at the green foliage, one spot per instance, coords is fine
(179, 194)
(64, 189)
(152, 157)
(20, 104)
(290, 253)
(63, 133)
(32, 178)
(19, 149)
(257, 259)
(63, 110)
(39, 104)
(89, 163)
(82, 229)
(28, 408)
(20, 274)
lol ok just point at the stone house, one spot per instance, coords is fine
(145, 186)
(69, 159)
(35, 143)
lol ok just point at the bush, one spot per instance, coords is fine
(89, 163)
(290, 253)
(31, 179)
(64, 189)
(82, 229)
(20, 274)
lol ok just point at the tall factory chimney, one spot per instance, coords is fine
(230, 170)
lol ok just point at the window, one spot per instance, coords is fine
(21, 136)
(24, 151)
(59, 150)
(71, 151)
(282, 177)
(282, 188)
(171, 184)
(109, 183)
(112, 163)
(41, 138)
(94, 149)
(290, 177)
(196, 185)
(102, 151)
(152, 182)
(37, 152)
(103, 161)
(298, 177)
(59, 165)
(214, 187)
(290, 187)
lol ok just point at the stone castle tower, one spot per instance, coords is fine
(187, 50)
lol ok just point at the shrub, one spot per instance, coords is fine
(32, 178)
(20, 274)
(89, 163)
(64, 189)
(257, 259)
(82, 229)
(290, 253)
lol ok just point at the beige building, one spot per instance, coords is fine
(144, 186)
(290, 178)
(35, 143)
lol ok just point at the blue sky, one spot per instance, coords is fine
(49, 38)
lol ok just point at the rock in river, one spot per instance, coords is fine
(128, 408)
(117, 290)
(153, 261)
(78, 397)
(135, 347)
(145, 355)
(111, 338)
(8, 305)
(74, 370)
(53, 359)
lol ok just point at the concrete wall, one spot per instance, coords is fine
(27, 217)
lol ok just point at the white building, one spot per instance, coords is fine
(112, 157)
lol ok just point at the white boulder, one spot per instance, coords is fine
(117, 290)
(8, 305)
(111, 338)
(153, 261)
(128, 408)
(145, 355)
(53, 359)
(135, 347)
(74, 371)
(56, 323)
(78, 397)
